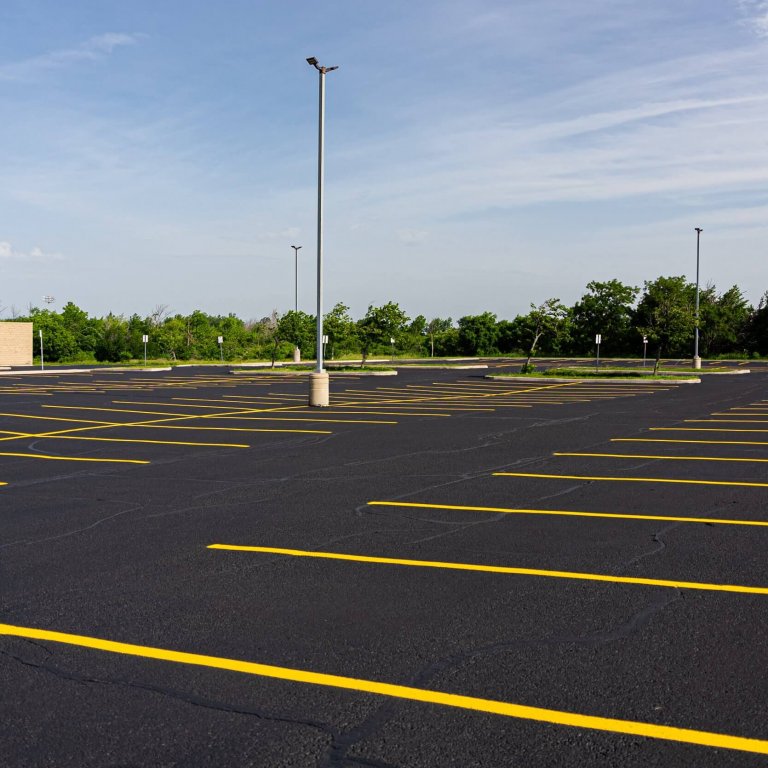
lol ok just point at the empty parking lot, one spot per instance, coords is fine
(438, 569)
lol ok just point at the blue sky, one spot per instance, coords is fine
(479, 155)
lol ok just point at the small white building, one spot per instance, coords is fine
(15, 343)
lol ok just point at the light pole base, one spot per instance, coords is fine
(296, 355)
(697, 363)
(318, 390)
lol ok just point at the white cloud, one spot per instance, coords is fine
(755, 15)
(92, 49)
(36, 254)
(412, 236)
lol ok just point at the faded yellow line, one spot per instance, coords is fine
(699, 442)
(703, 429)
(45, 436)
(719, 421)
(665, 458)
(631, 479)
(408, 693)
(71, 458)
(569, 513)
(502, 569)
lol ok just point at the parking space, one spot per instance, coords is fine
(569, 574)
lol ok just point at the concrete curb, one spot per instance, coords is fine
(329, 371)
(441, 367)
(560, 380)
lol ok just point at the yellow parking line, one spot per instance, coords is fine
(71, 458)
(670, 458)
(703, 429)
(408, 693)
(719, 421)
(45, 436)
(569, 513)
(502, 569)
(631, 479)
(699, 442)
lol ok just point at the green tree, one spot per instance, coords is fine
(112, 344)
(86, 331)
(379, 325)
(548, 319)
(607, 309)
(299, 329)
(757, 328)
(665, 315)
(341, 331)
(723, 320)
(59, 342)
(436, 328)
(478, 334)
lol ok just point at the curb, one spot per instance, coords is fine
(591, 379)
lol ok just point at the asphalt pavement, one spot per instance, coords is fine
(440, 569)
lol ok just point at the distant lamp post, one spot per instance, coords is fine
(296, 249)
(49, 299)
(318, 381)
(696, 358)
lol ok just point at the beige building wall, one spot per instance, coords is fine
(15, 343)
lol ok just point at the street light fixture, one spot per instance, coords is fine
(318, 381)
(296, 350)
(296, 249)
(696, 358)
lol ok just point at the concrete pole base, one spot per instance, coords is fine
(318, 389)
(296, 355)
(697, 362)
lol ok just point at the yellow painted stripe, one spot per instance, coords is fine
(631, 479)
(502, 569)
(670, 458)
(699, 442)
(702, 429)
(46, 436)
(422, 695)
(570, 513)
(70, 458)
(710, 421)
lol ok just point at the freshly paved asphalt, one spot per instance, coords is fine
(120, 552)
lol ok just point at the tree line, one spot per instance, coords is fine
(663, 312)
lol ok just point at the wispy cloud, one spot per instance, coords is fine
(92, 49)
(36, 254)
(755, 14)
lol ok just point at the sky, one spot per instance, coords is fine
(480, 155)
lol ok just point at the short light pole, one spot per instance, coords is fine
(318, 381)
(696, 358)
(42, 362)
(296, 350)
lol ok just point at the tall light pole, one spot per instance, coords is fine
(696, 358)
(296, 350)
(296, 249)
(318, 381)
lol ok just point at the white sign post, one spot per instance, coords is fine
(221, 348)
(598, 339)
(145, 339)
(42, 363)
(645, 348)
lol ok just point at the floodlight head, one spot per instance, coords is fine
(698, 229)
(312, 61)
